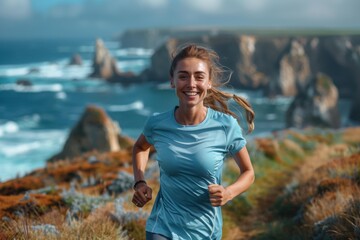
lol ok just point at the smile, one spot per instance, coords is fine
(191, 93)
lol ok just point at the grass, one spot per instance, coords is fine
(302, 179)
(307, 186)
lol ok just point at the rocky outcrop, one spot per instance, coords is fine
(104, 65)
(24, 82)
(76, 60)
(292, 73)
(334, 55)
(94, 131)
(316, 105)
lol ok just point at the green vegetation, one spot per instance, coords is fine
(307, 186)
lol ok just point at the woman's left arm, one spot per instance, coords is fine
(219, 195)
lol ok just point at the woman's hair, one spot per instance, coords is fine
(215, 99)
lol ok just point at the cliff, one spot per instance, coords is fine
(279, 65)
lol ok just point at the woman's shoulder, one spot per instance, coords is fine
(221, 116)
(159, 116)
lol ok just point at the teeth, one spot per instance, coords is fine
(191, 93)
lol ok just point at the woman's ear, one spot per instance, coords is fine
(172, 84)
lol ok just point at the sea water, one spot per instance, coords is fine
(36, 120)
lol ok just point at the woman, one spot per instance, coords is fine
(191, 142)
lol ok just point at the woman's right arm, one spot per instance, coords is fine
(140, 158)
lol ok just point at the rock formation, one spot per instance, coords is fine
(24, 82)
(316, 105)
(94, 131)
(76, 60)
(292, 73)
(104, 65)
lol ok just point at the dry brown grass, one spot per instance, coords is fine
(37, 204)
(20, 185)
(331, 203)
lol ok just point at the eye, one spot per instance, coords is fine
(200, 77)
(183, 76)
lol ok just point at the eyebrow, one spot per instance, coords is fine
(197, 72)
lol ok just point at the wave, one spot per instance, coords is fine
(24, 151)
(57, 87)
(26, 122)
(8, 127)
(134, 52)
(164, 86)
(25, 142)
(9, 151)
(137, 105)
(132, 65)
(58, 69)
(61, 95)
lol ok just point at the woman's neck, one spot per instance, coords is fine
(190, 116)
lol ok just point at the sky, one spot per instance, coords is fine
(48, 19)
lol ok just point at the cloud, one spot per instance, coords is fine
(15, 9)
(86, 18)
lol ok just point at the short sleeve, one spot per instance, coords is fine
(235, 139)
(148, 130)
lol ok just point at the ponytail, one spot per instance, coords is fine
(217, 100)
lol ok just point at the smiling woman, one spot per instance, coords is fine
(192, 141)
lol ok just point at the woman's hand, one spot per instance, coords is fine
(219, 195)
(142, 195)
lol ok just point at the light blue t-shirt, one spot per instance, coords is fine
(190, 158)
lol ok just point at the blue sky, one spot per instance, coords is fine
(26, 19)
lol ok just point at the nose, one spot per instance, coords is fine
(192, 81)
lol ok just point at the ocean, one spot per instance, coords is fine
(35, 121)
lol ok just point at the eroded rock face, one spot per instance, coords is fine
(294, 70)
(104, 65)
(317, 105)
(94, 131)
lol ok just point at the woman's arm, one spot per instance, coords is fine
(140, 157)
(219, 195)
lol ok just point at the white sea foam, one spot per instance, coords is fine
(12, 150)
(16, 71)
(58, 69)
(164, 86)
(138, 105)
(26, 142)
(61, 95)
(34, 88)
(29, 121)
(24, 151)
(131, 64)
(134, 52)
(8, 127)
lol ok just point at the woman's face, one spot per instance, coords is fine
(191, 80)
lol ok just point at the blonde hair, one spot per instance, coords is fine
(215, 99)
